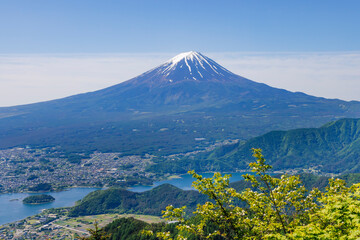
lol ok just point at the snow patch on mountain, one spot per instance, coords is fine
(198, 66)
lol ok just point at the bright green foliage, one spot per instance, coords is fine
(276, 205)
(339, 217)
(278, 208)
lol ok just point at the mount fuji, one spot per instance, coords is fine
(188, 101)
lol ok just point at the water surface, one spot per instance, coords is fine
(12, 208)
(185, 181)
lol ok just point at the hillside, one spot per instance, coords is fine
(334, 147)
(167, 110)
(154, 201)
(123, 201)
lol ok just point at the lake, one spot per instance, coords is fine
(12, 208)
(185, 181)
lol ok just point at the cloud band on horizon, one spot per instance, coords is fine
(34, 78)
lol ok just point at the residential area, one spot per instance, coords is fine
(25, 169)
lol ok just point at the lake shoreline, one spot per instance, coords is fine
(12, 210)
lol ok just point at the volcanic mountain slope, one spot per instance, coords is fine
(334, 147)
(187, 98)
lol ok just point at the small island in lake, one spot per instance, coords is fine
(38, 199)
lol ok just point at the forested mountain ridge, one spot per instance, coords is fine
(334, 147)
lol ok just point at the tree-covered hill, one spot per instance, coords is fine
(150, 202)
(38, 199)
(154, 201)
(334, 147)
(217, 217)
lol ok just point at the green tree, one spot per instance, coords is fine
(97, 233)
(339, 216)
(277, 208)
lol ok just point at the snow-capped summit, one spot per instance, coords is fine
(187, 56)
(188, 68)
(192, 66)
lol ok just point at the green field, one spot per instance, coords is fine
(81, 224)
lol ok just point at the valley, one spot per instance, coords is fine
(27, 170)
(74, 222)
(179, 120)
(189, 113)
(51, 224)
(49, 169)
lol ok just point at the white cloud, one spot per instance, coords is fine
(33, 78)
(27, 79)
(330, 75)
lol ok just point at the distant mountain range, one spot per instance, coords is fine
(187, 102)
(334, 147)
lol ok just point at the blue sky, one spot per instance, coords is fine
(56, 48)
(106, 26)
